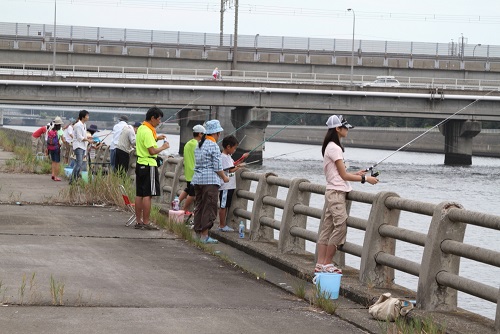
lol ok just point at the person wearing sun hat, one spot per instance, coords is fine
(333, 230)
(54, 147)
(207, 178)
(189, 162)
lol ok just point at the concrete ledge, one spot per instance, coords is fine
(301, 265)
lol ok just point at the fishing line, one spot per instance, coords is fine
(424, 133)
(178, 111)
(276, 156)
(287, 125)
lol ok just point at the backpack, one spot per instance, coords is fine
(52, 141)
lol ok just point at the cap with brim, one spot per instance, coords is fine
(213, 126)
(58, 120)
(335, 121)
(92, 128)
(198, 128)
(137, 124)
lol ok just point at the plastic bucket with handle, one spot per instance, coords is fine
(328, 283)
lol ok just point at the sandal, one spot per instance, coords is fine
(318, 268)
(330, 268)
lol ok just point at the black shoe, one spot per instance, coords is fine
(138, 226)
(149, 227)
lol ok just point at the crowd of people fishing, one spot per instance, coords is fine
(208, 169)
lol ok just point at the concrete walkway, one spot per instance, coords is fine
(113, 279)
(116, 279)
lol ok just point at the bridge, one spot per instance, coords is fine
(82, 76)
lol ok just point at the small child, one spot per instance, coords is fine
(226, 190)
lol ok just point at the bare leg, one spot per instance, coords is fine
(326, 253)
(138, 208)
(222, 217)
(146, 209)
(182, 196)
(187, 203)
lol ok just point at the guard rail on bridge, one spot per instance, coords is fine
(249, 43)
(438, 273)
(180, 74)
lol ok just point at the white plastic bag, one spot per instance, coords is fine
(388, 308)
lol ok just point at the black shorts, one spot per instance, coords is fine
(225, 197)
(147, 181)
(189, 188)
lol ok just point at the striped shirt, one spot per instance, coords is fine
(207, 163)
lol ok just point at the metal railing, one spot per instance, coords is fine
(443, 247)
(114, 36)
(152, 73)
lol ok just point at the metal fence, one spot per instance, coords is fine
(151, 73)
(207, 40)
(437, 271)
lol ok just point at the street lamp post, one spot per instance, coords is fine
(474, 51)
(352, 50)
(255, 41)
(54, 44)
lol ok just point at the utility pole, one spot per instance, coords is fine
(54, 46)
(235, 50)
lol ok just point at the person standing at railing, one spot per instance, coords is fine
(207, 180)
(188, 193)
(333, 230)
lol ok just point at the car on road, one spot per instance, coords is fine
(384, 81)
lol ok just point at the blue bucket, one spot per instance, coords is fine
(328, 283)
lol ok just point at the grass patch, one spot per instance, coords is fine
(406, 325)
(101, 189)
(56, 291)
(322, 300)
(24, 160)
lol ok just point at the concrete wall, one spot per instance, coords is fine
(487, 143)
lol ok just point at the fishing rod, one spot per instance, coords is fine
(422, 134)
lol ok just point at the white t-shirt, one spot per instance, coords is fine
(333, 152)
(117, 131)
(68, 134)
(227, 162)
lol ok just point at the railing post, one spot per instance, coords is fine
(170, 173)
(257, 231)
(497, 316)
(370, 273)
(238, 202)
(287, 243)
(430, 294)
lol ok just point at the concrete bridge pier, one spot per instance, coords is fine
(250, 123)
(1, 117)
(188, 119)
(458, 141)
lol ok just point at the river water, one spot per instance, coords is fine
(417, 176)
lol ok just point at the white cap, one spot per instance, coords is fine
(198, 128)
(335, 121)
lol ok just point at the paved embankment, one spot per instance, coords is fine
(118, 279)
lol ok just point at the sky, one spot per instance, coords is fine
(433, 21)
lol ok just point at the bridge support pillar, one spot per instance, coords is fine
(1, 118)
(188, 119)
(250, 124)
(458, 141)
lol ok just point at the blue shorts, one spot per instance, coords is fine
(55, 155)
(225, 197)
